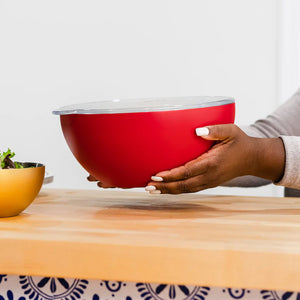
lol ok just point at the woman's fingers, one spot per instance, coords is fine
(224, 161)
(190, 185)
(193, 168)
(197, 167)
(217, 132)
(91, 178)
(100, 184)
(105, 186)
(189, 178)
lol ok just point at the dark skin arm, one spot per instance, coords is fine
(234, 154)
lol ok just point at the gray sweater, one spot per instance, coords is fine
(284, 122)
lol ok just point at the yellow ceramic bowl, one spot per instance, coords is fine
(19, 187)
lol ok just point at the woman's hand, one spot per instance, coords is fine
(100, 184)
(234, 154)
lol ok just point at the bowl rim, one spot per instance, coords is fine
(27, 165)
(138, 105)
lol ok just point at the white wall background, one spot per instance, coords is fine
(54, 53)
(289, 68)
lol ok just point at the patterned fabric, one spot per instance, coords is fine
(46, 288)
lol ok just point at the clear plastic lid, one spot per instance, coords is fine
(143, 105)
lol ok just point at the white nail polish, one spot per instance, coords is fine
(155, 192)
(202, 131)
(156, 178)
(150, 188)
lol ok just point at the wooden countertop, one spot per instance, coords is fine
(227, 241)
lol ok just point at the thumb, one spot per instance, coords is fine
(216, 132)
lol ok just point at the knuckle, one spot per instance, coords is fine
(206, 167)
(183, 187)
(214, 130)
(234, 129)
(210, 165)
(162, 188)
(166, 188)
(187, 172)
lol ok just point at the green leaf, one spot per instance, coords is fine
(18, 165)
(3, 155)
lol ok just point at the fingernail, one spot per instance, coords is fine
(156, 178)
(155, 192)
(150, 188)
(202, 131)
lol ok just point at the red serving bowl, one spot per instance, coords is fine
(125, 144)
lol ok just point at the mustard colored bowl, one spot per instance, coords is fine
(19, 187)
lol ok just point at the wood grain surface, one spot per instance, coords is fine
(227, 241)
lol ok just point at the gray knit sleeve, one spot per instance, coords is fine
(284, 122)
(291, 177)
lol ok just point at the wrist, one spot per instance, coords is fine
(269, 158)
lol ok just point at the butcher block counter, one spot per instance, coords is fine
(190, 239)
